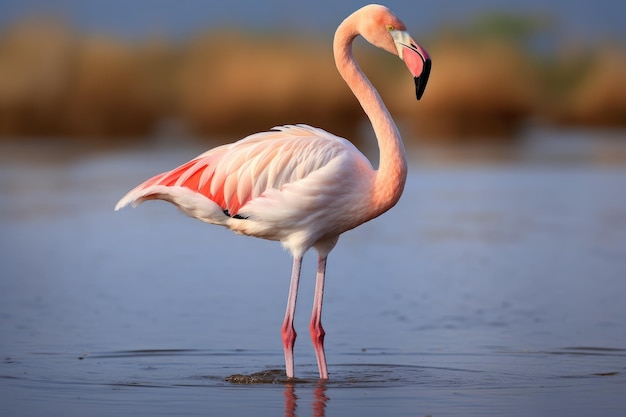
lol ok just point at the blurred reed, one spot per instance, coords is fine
(56, 83)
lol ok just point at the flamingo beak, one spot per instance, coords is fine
(422, 79)
(416, 59)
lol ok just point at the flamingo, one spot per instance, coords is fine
(298, 184)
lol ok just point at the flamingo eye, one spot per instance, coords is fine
(389, 28)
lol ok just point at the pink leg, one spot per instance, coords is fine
(289, 333)
(316, 329)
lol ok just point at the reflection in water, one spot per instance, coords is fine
(277, 376)
(319, 399)
(290, 399)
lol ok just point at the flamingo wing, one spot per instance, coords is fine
(217, 184)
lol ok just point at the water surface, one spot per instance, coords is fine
(490, 289)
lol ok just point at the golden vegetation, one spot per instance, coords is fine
(232, 83)
(55, 83)
(599, 99)
(480, 89)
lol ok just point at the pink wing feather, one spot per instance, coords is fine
(232, 175)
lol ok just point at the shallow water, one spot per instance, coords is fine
(490, 289)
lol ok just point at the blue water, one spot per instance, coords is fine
(495, 287)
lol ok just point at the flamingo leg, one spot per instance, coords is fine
(316, 329)
(288, 331)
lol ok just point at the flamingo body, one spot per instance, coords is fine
(298, 184)
(294, 184)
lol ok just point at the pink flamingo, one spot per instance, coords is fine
(298, 184)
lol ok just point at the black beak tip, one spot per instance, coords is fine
(420, 82)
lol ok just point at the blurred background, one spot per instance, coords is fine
(118, 72)
(504, 261)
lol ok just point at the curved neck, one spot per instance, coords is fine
(392, 169)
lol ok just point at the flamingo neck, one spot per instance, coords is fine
(390, 177)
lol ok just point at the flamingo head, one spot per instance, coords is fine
(380, 27)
